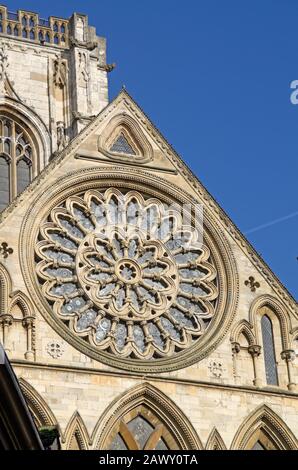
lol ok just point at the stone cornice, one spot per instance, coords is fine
(155, 378)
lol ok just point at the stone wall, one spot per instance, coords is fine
(64, 84)
(225, 387)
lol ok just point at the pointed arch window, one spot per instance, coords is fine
(263, 441)
(269, 351)
(141, 432)
(17, 159)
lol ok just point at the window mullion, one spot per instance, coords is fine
(13, 166)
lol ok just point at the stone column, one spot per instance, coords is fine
(28, 324)
(6, 321)
(235, 351)
(288, 355)
(255, 350)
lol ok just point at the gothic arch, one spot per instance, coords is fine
(20, 299)
(42, 414)
(167, 193)
(5, 289)
(76, 429)
(278, 309)
(266, 421)
(157, 403)
(215, 441)
(245, 328)
(124, 123)
(18, 110)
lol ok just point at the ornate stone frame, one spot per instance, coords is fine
(41, 411)
(123, 123)
(145, 395)
(168, 193)
(264, 420)
(269, 303)
(20, 112)
(215, 441)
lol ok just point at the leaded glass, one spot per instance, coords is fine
(23, 175)
(269, 353)
(141, 430)
(121, 145)
(86, 320)
(161, 445)
(144, 432)
(258, 446)
(17, 148)
(118, 443)
(130, 292)
(4, 183)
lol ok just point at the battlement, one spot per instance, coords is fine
(55, 67)
(28, 25)
(54, 31)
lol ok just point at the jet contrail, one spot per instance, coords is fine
(273, 222)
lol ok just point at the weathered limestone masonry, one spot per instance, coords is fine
(57, 70)
(125, 341)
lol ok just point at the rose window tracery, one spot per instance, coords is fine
(126, 274)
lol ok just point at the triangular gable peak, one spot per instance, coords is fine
(153, 154)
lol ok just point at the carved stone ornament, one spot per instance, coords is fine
(252, 283)
(60, 72)
(216, 369)
(128, 293)
(254, 350)
(83, 66)
(90, 45)
(188, 315)
(288, 355)
(62, 139)
(55, 349)
(3, 66)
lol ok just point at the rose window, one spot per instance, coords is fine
(126, 274)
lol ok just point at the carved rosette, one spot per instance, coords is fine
(126, 274)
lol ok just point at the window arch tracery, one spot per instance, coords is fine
(144, 418)
(17, 159)
(126, 274)
(141, 430)
(264, 427)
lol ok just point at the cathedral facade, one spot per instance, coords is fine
(133, 311)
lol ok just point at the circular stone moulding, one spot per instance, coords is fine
(124, 280)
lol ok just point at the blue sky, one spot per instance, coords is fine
(214, 76)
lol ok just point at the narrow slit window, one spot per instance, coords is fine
(17, 159)
(4, 183)
(269, 351)
(23, 175)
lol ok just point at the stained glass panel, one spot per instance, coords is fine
(141, 430)
(269, 353)
(133, 294)
(121, 145)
